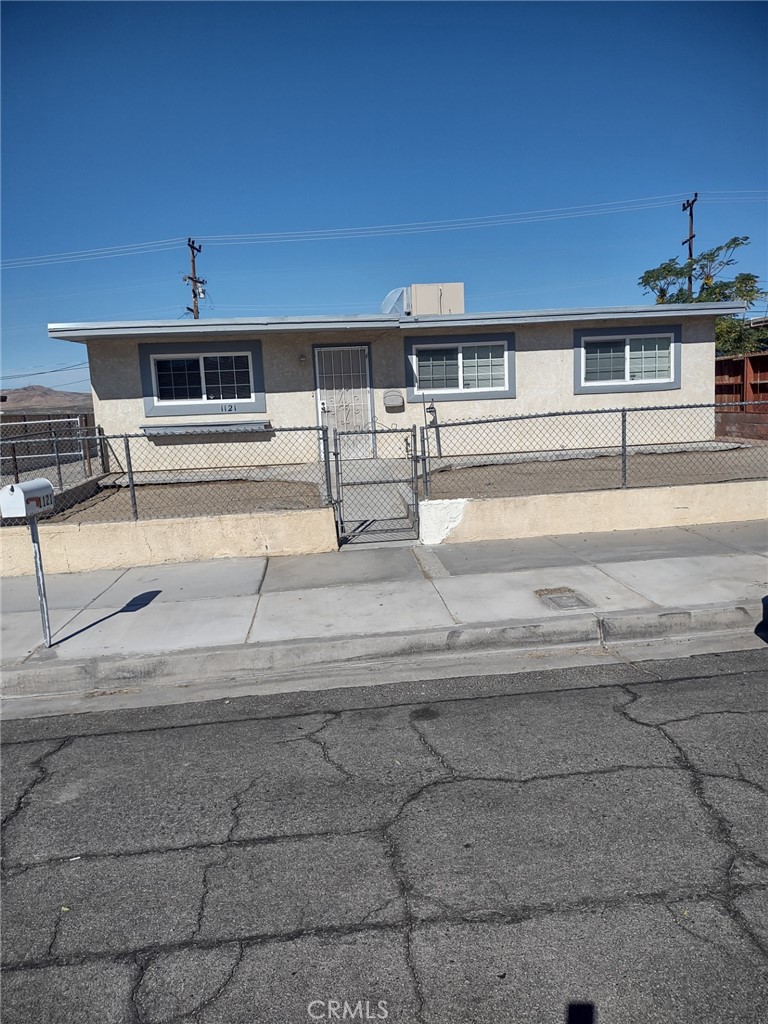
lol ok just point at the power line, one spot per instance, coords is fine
(42, 373)
(380, 230)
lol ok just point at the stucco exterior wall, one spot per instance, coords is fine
(544, 364)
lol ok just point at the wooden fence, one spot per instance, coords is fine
(742, 379)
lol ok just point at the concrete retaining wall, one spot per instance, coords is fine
(457, 520)
(82, 547)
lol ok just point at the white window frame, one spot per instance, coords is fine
(200, 356)
(460, 390)
(667, 332)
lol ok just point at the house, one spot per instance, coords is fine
(175, 380)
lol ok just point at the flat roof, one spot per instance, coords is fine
(85, 331)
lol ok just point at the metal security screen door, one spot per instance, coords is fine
(344, 395)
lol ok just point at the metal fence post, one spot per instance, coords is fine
(86, 446)
(58, 461)
(623, 447)
(104, 449)
(424, 461)
(14, 464)
(415, 477)
(339, 498)
(129, 470)
(326, 447)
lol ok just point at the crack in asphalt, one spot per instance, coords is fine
(431, 748)
(724, 894)
(690, 718)
(288, 715)
(314, 737)
(706, 939)
(742, 780)
(401, 881)
(515, 915)
(44, 773)
(140, 964)
(15, 870)
(54, 937)
(217, 862)
(721, 827)
(236, 803)
(379, 910)
(195, 1014)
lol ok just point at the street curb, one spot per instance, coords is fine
(45, 674)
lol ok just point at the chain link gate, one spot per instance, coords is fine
(376, 484)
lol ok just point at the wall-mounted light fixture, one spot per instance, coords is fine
(302, 359)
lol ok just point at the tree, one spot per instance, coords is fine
(669, 283)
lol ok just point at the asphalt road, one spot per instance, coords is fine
(466, 851)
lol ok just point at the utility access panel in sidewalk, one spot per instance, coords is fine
(376, 484)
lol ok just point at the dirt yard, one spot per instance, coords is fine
(170, 501)
(654, 470)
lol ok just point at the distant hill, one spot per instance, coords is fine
(39, 399)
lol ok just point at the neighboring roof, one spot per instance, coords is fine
(241, 325)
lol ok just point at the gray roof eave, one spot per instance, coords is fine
(544, 316)
(136, 329)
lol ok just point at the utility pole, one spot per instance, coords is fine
(688, 205)
(198, 283)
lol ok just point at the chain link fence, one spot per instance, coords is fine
(376, 482)
(374, 478)
(55, 446)
(550, 453)
(205, 472)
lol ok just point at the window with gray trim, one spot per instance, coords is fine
(628, 359)
(460, 368)
(632, 359)
(202, 378)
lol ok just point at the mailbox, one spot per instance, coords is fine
(27, 499)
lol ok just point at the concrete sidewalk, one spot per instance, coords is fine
(233, 617)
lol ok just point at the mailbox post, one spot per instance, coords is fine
(28, 500)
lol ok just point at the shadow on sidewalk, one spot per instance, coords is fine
(761, 629)
(134, 605)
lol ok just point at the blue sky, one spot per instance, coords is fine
(131, 123)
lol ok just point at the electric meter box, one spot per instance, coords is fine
(27, 499)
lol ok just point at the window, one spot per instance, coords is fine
(627, 359)
(637, 360)
(202, 378)
(461, 368)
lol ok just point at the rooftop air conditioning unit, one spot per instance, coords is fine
(425, 300)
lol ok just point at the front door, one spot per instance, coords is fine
(344, 396)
